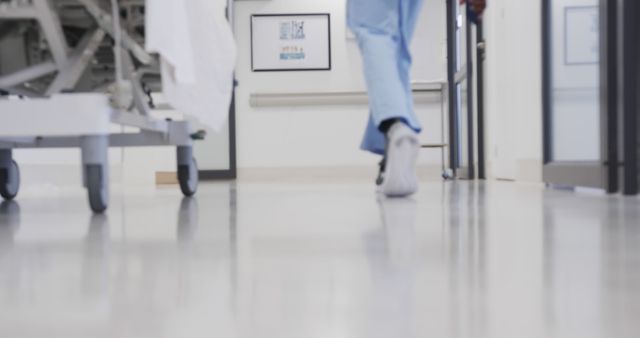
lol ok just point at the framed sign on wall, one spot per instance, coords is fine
(290, 42)
(581, 35)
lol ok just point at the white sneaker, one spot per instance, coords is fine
(399, 178)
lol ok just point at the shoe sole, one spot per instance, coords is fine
(400, 176)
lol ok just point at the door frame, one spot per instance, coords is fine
(480, 57)
(630, 81)
(595, 174)
(454, 78)
(231, 173)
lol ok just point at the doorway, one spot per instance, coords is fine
(465, 44)
(590, 87)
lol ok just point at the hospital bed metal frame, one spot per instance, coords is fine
(126, 104)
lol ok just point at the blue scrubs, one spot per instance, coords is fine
(384, 29)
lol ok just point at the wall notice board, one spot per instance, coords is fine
(288, 42)
(582, 35)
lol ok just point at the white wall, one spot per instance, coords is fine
(514, 92)
(287, 136)
(576, 98)
(326, 136)
(513, 89)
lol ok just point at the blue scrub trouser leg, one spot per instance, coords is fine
(384, 29)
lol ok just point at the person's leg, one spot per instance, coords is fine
(378, 25)
(409, 14)
(374, 140)
(384, 29)
(399, 178)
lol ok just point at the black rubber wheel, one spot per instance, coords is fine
(10, 181)
(188, 178)
(98, 191)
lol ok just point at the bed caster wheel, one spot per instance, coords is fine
(188, 178)
(10, 181)
(97, 190)
(447, 175)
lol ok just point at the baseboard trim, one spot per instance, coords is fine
(529, 170)
(327, 174)
(171, 177)
(526, 170)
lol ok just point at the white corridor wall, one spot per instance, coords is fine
(282, 137)
(513, 90)
(324, 136)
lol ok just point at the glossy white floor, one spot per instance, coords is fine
(320, 260)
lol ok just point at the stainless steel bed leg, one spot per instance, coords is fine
(187, 171)
(95, 170)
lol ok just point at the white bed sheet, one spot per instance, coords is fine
(198, 55)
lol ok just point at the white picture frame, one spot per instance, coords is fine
(582, 35)
(290, 42)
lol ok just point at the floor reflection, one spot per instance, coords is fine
(9, 225)
(188, 218)
(401, 258)
(460, 259)
(96, 259)
(592, 270)
(128, 273)
(392, 260)
(465, 226)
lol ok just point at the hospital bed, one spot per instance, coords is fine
(69, 71)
